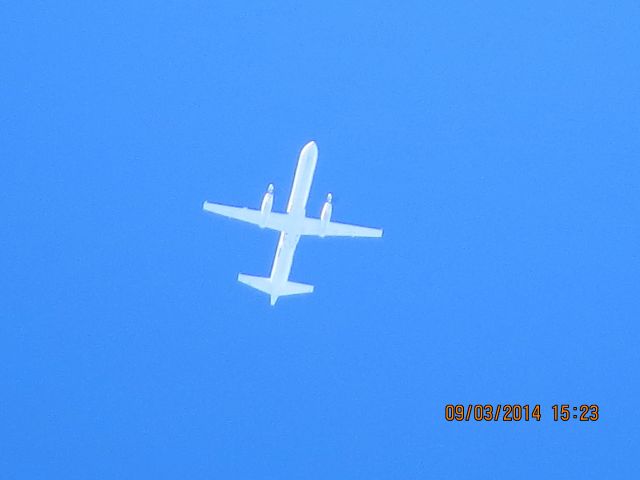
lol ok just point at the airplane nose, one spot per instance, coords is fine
(310, 147)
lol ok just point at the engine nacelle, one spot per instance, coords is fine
(325, 214)
(267, 205)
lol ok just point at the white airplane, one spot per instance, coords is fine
(291, 225)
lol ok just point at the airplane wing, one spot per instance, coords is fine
(284, 222)
(275, 221)
(313, 226)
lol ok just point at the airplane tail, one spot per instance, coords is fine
(265, 284)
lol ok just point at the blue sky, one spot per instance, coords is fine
(497, 143)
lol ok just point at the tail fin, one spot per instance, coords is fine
(264, 284)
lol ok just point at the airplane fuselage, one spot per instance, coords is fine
(296, 207)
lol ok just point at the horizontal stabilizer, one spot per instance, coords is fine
(266, 285)
(259, 283)
(294, 288)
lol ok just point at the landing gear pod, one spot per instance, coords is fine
(267, 205)
(325, 215)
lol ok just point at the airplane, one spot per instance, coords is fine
(292, 225)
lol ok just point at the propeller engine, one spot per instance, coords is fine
(327, 210)
(267, 205)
